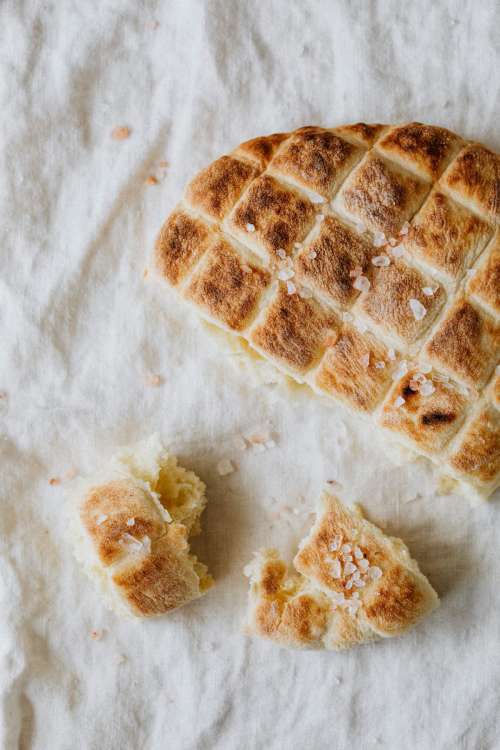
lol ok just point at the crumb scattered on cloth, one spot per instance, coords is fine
(84, 336)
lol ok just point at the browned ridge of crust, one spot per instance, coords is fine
(325, 245)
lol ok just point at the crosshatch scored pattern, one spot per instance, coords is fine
(363, 260)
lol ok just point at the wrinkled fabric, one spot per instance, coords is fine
(83, 332)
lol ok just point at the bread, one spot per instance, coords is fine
(353, 584)
(349, 257)
(131, 526)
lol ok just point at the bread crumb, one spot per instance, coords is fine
(153, 380)
(96, 635)
(225, 467)
(70, 474)
(151, 180)
(120, 133)
(3, 395)
(145, 273)
(163, 164)
(54, 480)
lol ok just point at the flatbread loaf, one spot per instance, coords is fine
(353, 585)
(131, 526)
(364, 261)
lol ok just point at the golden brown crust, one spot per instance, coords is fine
(364, 134)
(327, 264)
(316, 159)
(474, 179)
(447, 236)
(401, 592)
(355, 370)
(262, 149)
(477, 454)
(355, 585)
(424, 149)
(293, 331)
(485, 284)
(381, 195)
(160, 581)
(396, 603)
(227, 287)
(387, 303)
(104, 514)
(465, 344)
(215, 189)
(387, 186)
(270, 217)
(182, 241)
(427, 421)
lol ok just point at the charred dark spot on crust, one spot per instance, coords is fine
(438, 417)
(408, 392)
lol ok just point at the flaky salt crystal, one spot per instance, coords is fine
(335, 543)
(364, 564)
(471, 272)
(360, 326)
(348, 584)
(130, 521)
(361, 283)
(281, 253)
(365, 360)
(305, 293)
(425, 368)
(250, 227)
(360, 227)
(359, 583)
(429, 291)
(379, 239)
(316, 198)
(225, 467)
(336, 569)
(401, 370)
(349, 568)
(285, 274)
(417, 308)
(381, 261)
(290, 287)
(312, 255)
(405, 229)
(346, 548)
(374, 572)
(358, 554)
(356, 271)
(426, 389)
(398, 251)
(100, 519)
(391, 354)
(399, 402)
(380, 365)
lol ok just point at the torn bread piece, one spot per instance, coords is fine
(352, 584)
(131, 526)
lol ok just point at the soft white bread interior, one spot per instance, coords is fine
(131, 525)
(352, 584)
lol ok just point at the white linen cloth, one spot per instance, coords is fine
(81, 331)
